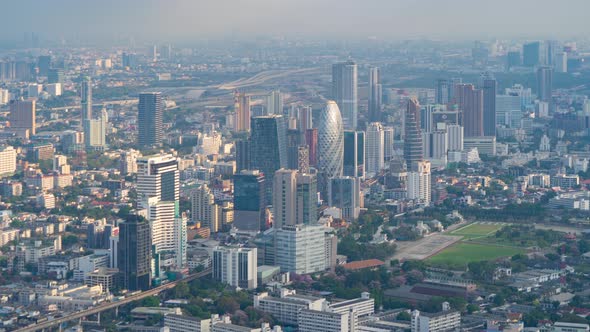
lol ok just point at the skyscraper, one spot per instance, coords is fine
(242, 112)
(375, 95)
(418, 183)
(545, 84)
(306, 202)
(354, 153)
(294, 138)
(413, 138)
(442, 91)
(470, 101)
(149, 119)
(249, 200)
(86, 99)
(330, 144)
(44, 63)
(285, 197)
(22, 117)
(274, 103)
(375, 148)
(305, 118)
(268, 146)
(344, 92)
(311, 139)
(302, 248)
(388, 141)
(134, 253)
(531, 54)
(242, 154)
(95, 132)
(489, 107)
(344, 193)
(236, 266)
(204, 209)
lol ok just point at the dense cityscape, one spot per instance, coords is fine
(280, 183)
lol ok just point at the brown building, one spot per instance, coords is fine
(22, 117)
(470, 101)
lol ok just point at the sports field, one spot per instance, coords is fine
(478, 230)
(459, 254)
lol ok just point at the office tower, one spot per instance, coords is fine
(86, 99)
(55, 75)
(7, 160)
(268, 147)
(134, 255)
(284, 198)
(4, 96)
(545, 85)
(293, 142)
(303, 159)
(418, 183)
(130, 60)
(470, 102)
(550, 52)
(330, 141)
(344, 193)
(375, 95)
(274, 103)
(311, 139)
(22, 117)
(249, 200)
(44, 63)
(95, 132)
(302, 248)
(375, 145)
(435, 146)
(531, 54)
(344, 92)
(305, 116)
(149, 119)
(388, 141)
(242, 112)
(203, 208)
(489, 107)
(455, 137)
(513, 59)
(306, 202)
(442, 91)
(242, 154)
(354, 154)
(236, 266)
(560, 63)
(413, 138)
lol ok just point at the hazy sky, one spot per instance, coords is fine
(399, 19)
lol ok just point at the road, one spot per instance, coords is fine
(110, 305)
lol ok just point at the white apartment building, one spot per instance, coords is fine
(7, 160)
(236, 266)
(446, 320)
(375, 149)
(286, 308)
(418, 183)
(323, 321)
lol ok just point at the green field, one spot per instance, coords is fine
(477, 230)
(459, 254)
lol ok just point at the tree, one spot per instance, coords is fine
(404, 315)
(150, 301)
(181, 291)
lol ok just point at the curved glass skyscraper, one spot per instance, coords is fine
(330, 141)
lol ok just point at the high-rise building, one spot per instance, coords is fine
(545, 84)
(236, 266)
(203, 208)
(442, 91)
(149, 119)
(375, 145)
(274, 103)
(344, 193)
(560, 63)
(470, 102)
(294, 140)
(388, 141)
(44, 63)
(268, 147)
(4, 96)
(418, 183)
(22, 117)
(489, 107)
(134, 256)
(531, 54)
(413, 138)
(330, 142)
(249, 200)
(303, 159)
(306, 202)
(305, 116)
(242, 112)
(354, 153)
(302, 248)
(311, 139)
(375, 95)
(285, 197)
(95, 132)
(513, 59)
(7, 160)
(455, 137)
(86, 99)
(55, 75)
(345, 93)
